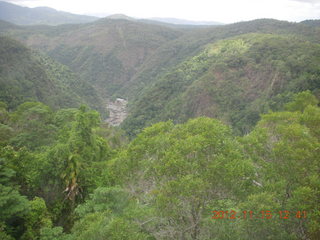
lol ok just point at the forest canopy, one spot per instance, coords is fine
(66, 175)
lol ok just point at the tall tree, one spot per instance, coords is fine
(185, 171)
(285, 147)
(13, 206)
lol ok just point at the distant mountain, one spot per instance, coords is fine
(314, 23)
(40, 15)
(121, 17)
(168, 22)
(185, 22)
(26, 75)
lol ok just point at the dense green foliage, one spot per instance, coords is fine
(26, 75)
(55, 159)
(168, 183)
(121, 57)
(234, 80)
(192, 43)
(106, 53)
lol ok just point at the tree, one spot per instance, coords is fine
(4, 115)
(37, 218)
(13, 206)
(108, 214)
(301, 101)
(74, 164)
(83, 148)
(32, 122)
(183, 171)
(285, 147)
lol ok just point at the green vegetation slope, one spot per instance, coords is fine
(194, 41)
(122, 57)
(234, 80)
(26, 75)
(106, 53)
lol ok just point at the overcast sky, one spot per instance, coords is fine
(226, 11)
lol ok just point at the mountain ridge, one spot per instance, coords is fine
(37, 16)
(179, 21)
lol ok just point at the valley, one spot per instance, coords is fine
(112, 56)
(121, 128)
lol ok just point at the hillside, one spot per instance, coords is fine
(26, 75)
(106, 53)
(314, 23)
(234, 80)
(40, 15)
(129, 59)
(121, 58)
(194, 41)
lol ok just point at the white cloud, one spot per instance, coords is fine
(306, 1)
(205, 10)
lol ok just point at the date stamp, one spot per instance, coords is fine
(267, 214)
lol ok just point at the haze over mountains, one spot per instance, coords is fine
(48, 16)
(40, 15)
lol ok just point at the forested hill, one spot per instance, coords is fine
(106, 53)
(315, 23)
(234, 80)
(193, 42)
(26, 75)
(121, 57)
(131, 59)
(40, 15)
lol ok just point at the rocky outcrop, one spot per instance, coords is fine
(117, 111)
